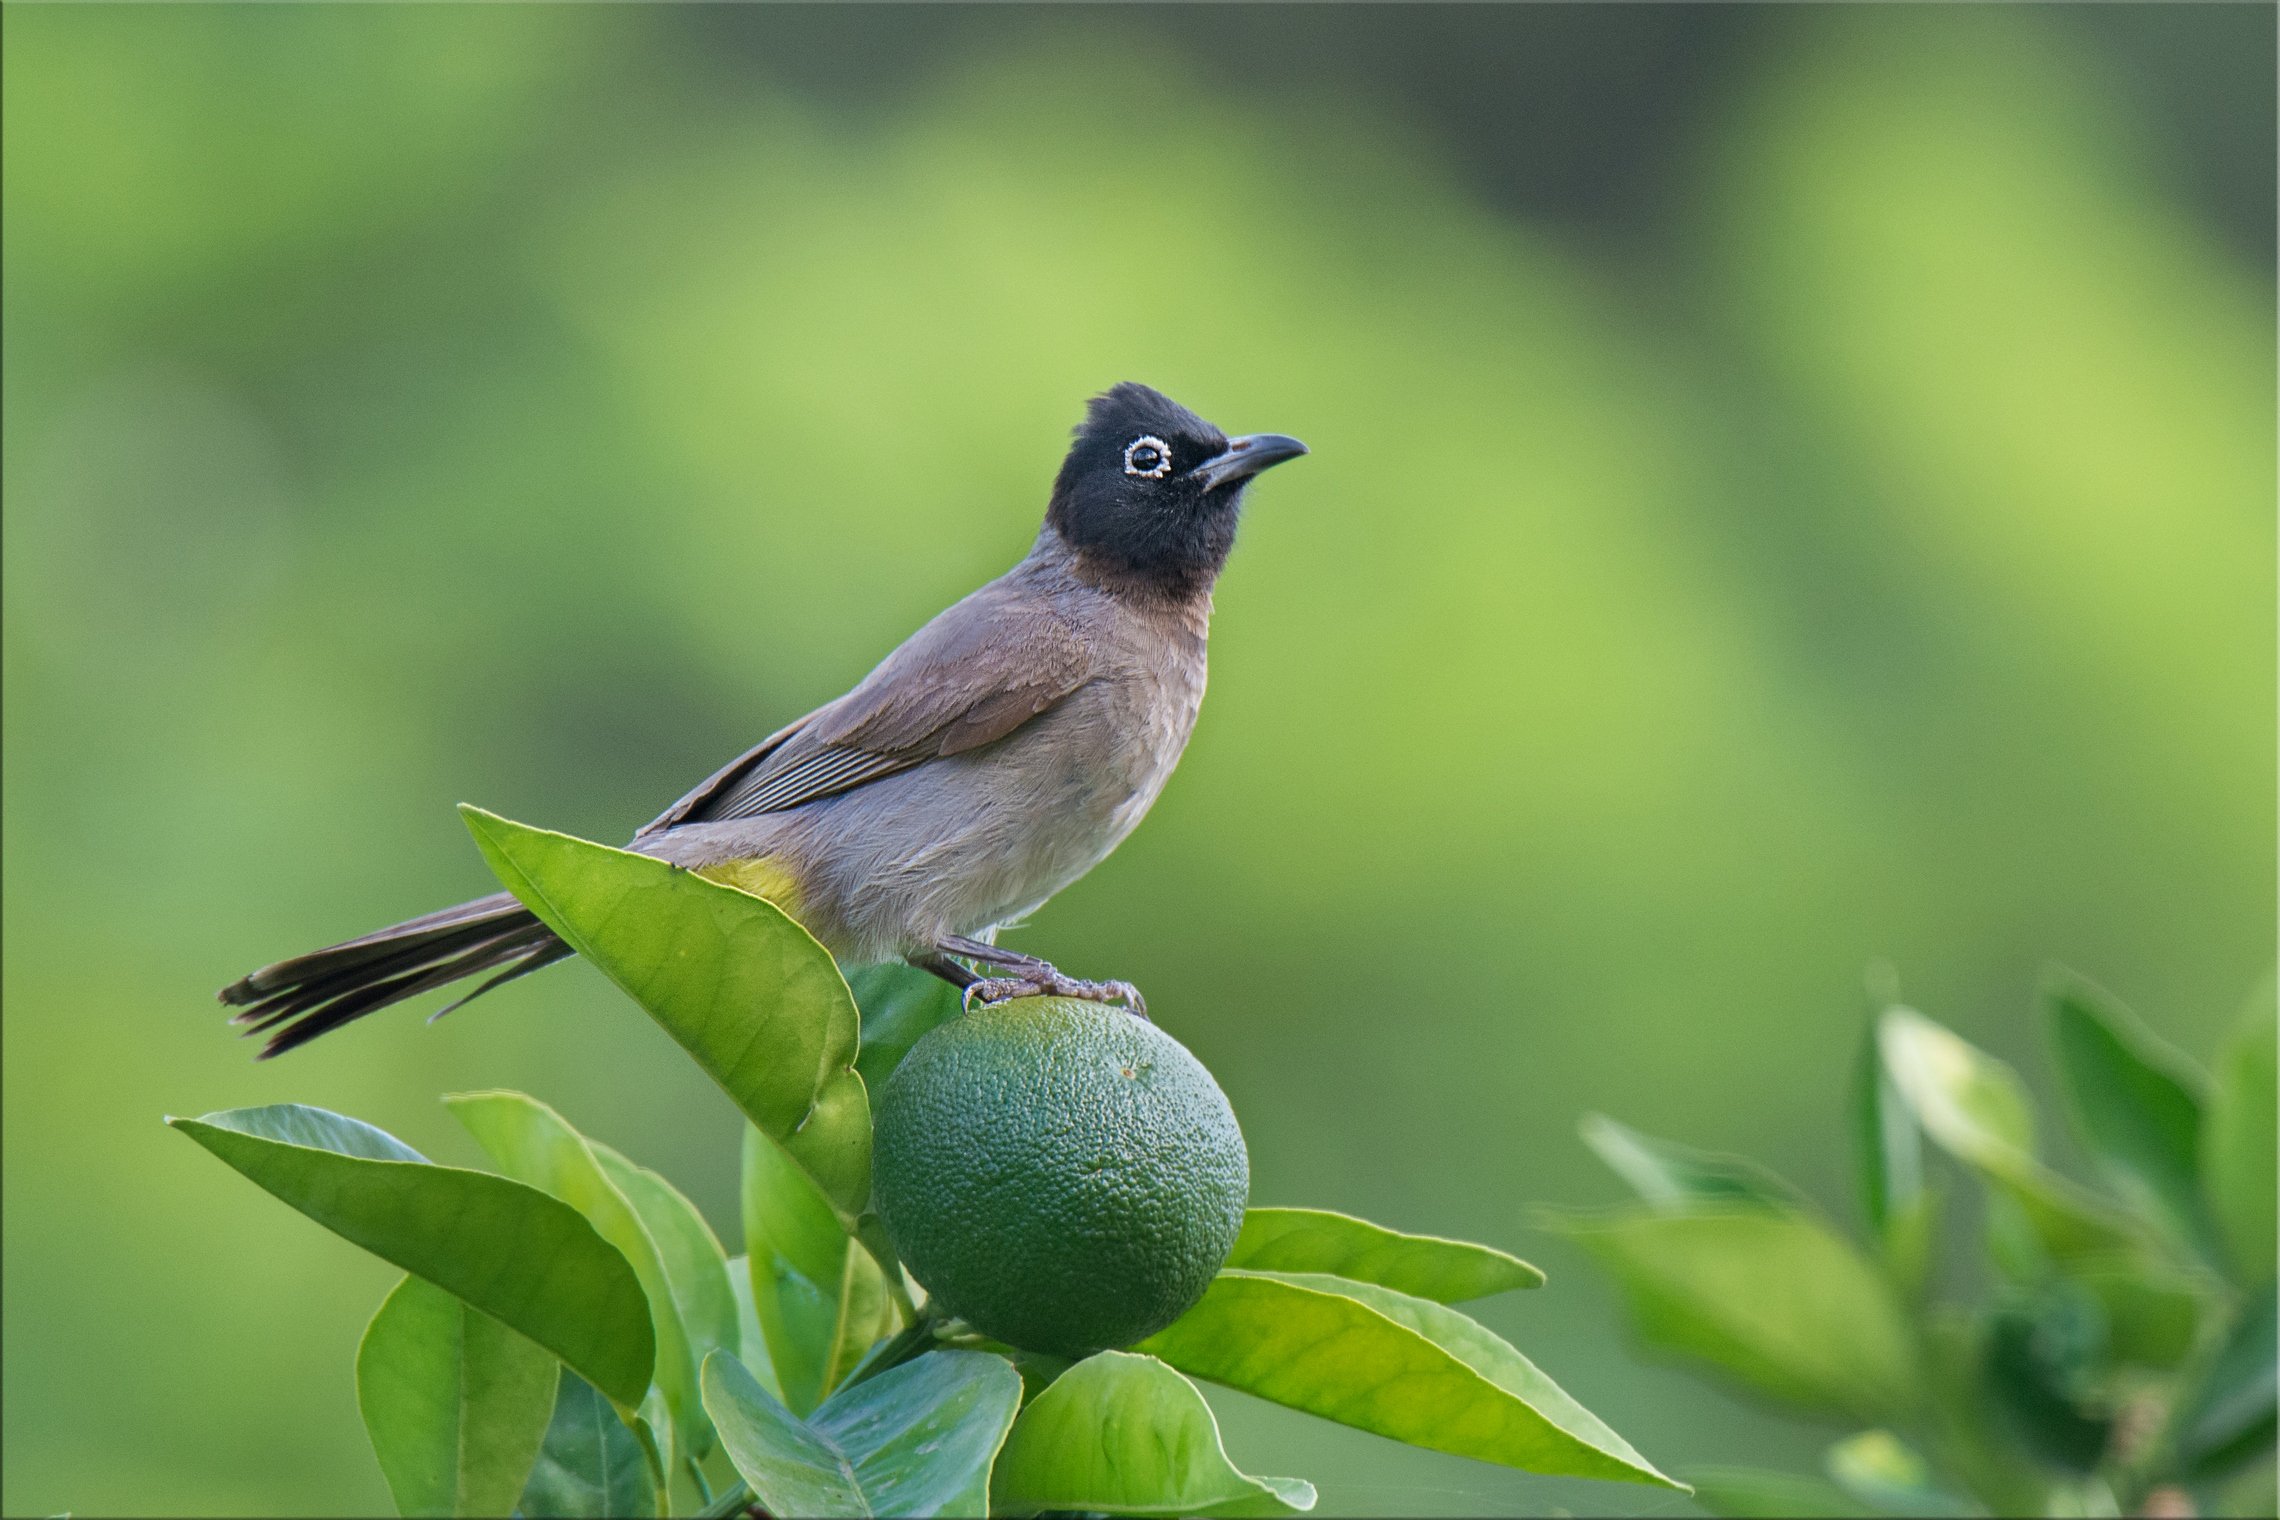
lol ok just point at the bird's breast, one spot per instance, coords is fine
(1089, 770)
(1162, 718)
(961, 843)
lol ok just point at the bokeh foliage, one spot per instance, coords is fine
(2075, 1349)
(537, 405)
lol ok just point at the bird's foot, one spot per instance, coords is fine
(1047, 981)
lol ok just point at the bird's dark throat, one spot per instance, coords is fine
(1176, 559)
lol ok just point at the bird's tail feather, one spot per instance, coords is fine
(312, 994)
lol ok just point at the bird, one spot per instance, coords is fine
(994, 757)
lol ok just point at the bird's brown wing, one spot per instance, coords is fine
(973, 675)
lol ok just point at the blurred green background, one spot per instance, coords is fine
(1792, 488)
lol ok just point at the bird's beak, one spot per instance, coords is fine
(1246, 457)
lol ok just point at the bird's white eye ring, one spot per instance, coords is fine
(1148, 457)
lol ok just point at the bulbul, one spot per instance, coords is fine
(995, 757)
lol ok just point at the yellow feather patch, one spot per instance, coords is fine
(760, 876)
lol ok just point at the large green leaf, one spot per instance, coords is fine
(899, 1005)
(694, 1263)
(2135, 1103)
(526, 1259)
(1675, 1177)
(733, 978)
(1119, 1434)
(1400, 1366)
(534, 1144)
(918, 1439)
(456, 1404)
(1317, 1240)
(819, 1297)
(1975, 1108)
(2238, 1144)
(1777, 1301)
(592, 1465)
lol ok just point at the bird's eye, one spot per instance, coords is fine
(1148, 457)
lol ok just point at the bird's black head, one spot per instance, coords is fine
(1149, 492)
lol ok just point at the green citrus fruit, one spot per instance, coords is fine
(1060, 1175)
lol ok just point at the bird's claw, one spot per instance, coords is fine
(1051, 983)
(999, 989)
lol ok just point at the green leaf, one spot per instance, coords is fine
(1399, 1366)
(1889, 1147)
(1903, 1209)
(456, 1404)
(2252, 1492)
(592, 1466)
(1971, 1103)
(752, 1342)
(735, 980)
(534, 1144)
(1119, 1434)
(899, 1005)
(2153, 1311)
(1317, 1240)
(2228, 1415)
(1752, 1493)
(1674, 1177)
(1963, 1418)
(796, 1249)
(1779, 1302)
(527, 1260)
(2040, 1359)
(1038, 1369)
(2135, 1103)
(1885, 1473)
(652, 1427)
(313, 1128)
(1975, 1108)
(871, 1234)
(2238, 1144)
(819, 1297)
(866, 1313)
(695, 1265)
(918, 1439)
